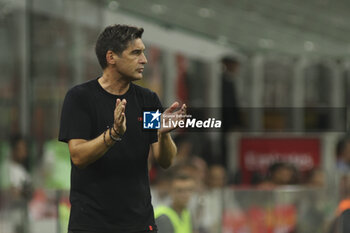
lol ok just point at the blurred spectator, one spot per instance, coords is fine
(184, 149)
(196, 171)
(4, 165)
(236, 178)
(188, 163)
(343, 154)
(280, 173)
(230, 114)
(209, 208)
(56, 165)
(341, 223)
(176, 218)
(216, 177)
(316, 178)
(161, 188)
(184, 156)
(311, 204)
(20, 179)
(202, 168)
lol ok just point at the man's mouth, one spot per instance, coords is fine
(140, 70)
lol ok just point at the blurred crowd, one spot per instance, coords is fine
(206, 203)
(207, 174)
(204, 196)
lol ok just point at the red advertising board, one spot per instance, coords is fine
(257, 154)
(259, 219)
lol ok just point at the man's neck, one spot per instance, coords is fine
(114, 83)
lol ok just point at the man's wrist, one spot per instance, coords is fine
(115, 133)
(114, 138)
(108, 142)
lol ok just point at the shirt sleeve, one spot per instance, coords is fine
(157, 105)
(75, 119)
(164, 224)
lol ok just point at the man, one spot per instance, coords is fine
(20, 180)
(230, 69)
(229, 101)
(210, 209)
(343, 154)
(341, 222)
(176, 218)
(280, 173)
(101, 123)
(216, 177)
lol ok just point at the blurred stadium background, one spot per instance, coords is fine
(289, 87)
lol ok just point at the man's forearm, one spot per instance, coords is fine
(85, 152)
(167, 150)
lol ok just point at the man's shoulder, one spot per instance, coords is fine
(147, 96)
(82, 89)
(143, 90)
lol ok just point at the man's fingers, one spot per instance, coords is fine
(184, 108)
(174, 106)
(121, 114)
(120, 119)
(117, 102)
(119, 111)
(122, 102)
(120, 106)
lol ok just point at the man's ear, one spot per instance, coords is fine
(111, 57)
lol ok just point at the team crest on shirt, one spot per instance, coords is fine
(151, 119)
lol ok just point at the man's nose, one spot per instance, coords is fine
(143, 59)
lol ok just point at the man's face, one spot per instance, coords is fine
(131, 62)
(283, 176)
(20, 151)
(181, 192)
(216, 177)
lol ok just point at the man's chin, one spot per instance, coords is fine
(136, 77)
